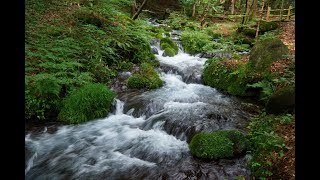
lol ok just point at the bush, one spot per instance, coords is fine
(193, 42)
(219, 144)
(147, 77)
(86, 103)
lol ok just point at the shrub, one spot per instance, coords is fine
(219, 144)
(147, 77)
(194, 41)
(86, 103)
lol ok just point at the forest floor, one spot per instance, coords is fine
(284, 168)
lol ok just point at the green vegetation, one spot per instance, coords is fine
(170, 48)
(232, 79)
(86, 103)
(147, 77)
(265, 143)
(69, 46)
(219, 144)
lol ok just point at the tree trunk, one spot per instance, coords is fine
(203, 16)
(196, 3)
(226, 5)
(245, 13)
(258, 27)
(232, 6)
(135, 16)
(133, 8)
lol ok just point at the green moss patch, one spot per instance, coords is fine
(265, 52)
(86, 103)
(233, 80)
(170, 47)
(219, 144)
(147, 77)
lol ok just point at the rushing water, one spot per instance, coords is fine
(147, 135)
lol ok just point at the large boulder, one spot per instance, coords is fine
(282, 101)
(266, 52)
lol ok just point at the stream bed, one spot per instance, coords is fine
(146, 135)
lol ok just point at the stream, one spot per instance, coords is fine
(146, 135)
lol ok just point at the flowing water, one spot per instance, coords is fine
(147, 134)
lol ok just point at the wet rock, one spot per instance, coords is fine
(282, 101)
(154, 50)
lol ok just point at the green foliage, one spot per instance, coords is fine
(264, 142)
(86, 103)
(147, 77)
(74, 46)
(180, 21)
(196, 41)
(219, 144)
(266, 89)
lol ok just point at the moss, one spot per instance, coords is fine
(265, 52)
(169, 52)
(86, 103)
(147, 77)
(169, 42)
(233, 80)
(219, 144)
(282, 101)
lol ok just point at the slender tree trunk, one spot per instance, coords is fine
(258, 27)
(245, 13)
(203, 16)
(135, 16)
(196, 3)
(232, 6)
(133, 8)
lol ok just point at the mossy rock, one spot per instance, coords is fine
(282, 101)
(147, 77)
(86, 103)
(266, 52)
(268, 26)
(249, 31)
(169, 43)
(169, 52)
(233, 80)
(219, 144)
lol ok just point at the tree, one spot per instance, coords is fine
(135, 16)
